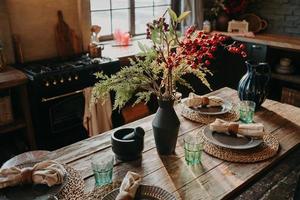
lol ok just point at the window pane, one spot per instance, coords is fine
(100, 4)
(120, 4)
(120, 20)
(162, 2)
(160, 10)
(142, 17)
(143, 3)
(102, 18)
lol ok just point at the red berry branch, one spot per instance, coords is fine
(194, 50)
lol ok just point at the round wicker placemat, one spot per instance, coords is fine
(100, 192)
(74, 188)
(266, 150)
(193, 115)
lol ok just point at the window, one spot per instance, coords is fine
(127, 15)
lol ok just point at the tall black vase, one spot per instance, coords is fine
(165, 127)
(254, 84)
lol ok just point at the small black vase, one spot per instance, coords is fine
(254, 84)
(165, 127)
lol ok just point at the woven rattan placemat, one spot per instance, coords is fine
(193, 115)
(99, 192)
(266, 150)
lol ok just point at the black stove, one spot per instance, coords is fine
(52, 66)
(56, 96)
(47, 68)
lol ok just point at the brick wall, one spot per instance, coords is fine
(283, 16)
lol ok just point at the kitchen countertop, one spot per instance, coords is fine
(273, 40)
(121, 52)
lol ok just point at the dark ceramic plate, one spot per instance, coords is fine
(216, 110)
(145, 192)
(230, 141)
(31, 192)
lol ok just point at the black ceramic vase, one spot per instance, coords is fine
(254, 84)
(165, 127)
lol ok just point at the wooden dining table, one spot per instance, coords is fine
(212, 179)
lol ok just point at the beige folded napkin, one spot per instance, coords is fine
(252, 130)
(195, 100)
(129, 186)
(47, 172)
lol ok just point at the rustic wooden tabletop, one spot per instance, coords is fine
(213, 179)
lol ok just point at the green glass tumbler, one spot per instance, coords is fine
(247, 109)
(193, 147)
(103, 169)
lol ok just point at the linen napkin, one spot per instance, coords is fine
(252, 130)
(129, 186)
(47, 172)
(195, 100)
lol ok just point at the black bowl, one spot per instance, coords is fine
(129, 149)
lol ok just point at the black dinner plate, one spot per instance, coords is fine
(230, 141)
(213, 110)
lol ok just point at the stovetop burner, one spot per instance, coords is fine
(47, 66)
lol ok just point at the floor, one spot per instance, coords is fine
(280, 183)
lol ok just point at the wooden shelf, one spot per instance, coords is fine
(295, 78)
(16, 125)
(12, 77)
(273, 40)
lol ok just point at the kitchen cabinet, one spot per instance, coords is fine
(15, 81)
(257, 52)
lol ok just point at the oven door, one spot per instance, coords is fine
(66, 113)
(62, 120)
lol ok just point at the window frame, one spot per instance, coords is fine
(132, 30)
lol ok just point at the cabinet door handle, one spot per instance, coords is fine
(254, 46)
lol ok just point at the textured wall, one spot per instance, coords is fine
(283, 15)
(34, 21)
(5, 34)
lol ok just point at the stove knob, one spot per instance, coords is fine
(54, 82)
(47, 84)
(76, 77)
(62, 80)
(70, 78)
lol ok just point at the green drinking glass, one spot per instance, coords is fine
(103, 169)
(193, 147)
(247, 109)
